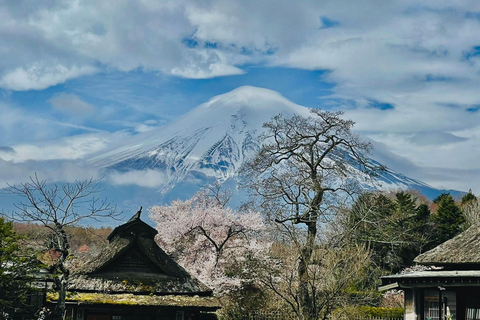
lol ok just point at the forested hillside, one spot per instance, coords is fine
(82, 239)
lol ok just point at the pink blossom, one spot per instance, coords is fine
(213, 242)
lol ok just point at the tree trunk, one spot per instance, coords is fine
(61, 282)
(307, 301)
(64, 273)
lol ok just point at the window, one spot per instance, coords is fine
(431, 310)
(473, 313)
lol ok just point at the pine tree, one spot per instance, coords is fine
(449, 218)
(405, 204)
(394, 228)
(467, 198)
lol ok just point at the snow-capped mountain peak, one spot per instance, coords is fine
(255, 105)
(213, 140)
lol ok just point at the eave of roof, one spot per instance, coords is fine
(429, 278)
(128, 299)
(138, 283)
(436, 274)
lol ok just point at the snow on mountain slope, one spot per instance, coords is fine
(213, 140)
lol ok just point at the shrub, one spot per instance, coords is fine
(382, 312)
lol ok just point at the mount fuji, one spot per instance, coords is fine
(211, 142)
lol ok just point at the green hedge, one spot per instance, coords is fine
(382, 312)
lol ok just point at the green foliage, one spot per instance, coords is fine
(394, 227)
(382, 312)
(15, 266)
(405, 204)
(441, 197)
(397, 229)
(469, 197)
(449, 217)
(423, 213)
(367, 312)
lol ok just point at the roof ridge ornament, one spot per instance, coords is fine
(136, 216)
(139, 212)
(133, 226)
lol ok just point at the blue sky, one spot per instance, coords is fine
(78, 76)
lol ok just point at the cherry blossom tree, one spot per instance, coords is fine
(217, 244)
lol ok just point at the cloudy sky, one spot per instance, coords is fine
(79, 75)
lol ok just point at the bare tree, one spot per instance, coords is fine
(303, 166)
(331, 271)
(57, 208)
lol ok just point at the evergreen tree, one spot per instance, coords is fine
(441, 197)
(423, 213)
(449, 218)
(405, 204)
(425, 229)
(467, 198)
(394, 228)
(406, 225)
(15, 267)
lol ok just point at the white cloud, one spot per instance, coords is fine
(41, 76)
(142, 127)
(53, 171)
(385, 44)
(205, 65)
(48, 45)
(144, 178)
(68, 148)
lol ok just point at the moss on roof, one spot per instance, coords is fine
(137, 283)
(139, 300)
(463, 249)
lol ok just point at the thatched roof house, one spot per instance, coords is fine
(133, 276)
(446, 284)
(461, 251)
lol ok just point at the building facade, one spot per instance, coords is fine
(446, 285)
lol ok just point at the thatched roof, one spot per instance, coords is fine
(206, 303)
(135, 224)
(133, 263)
(464, 249)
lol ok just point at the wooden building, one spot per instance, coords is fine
(448, 287)
(134, 279)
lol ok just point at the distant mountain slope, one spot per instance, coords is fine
(213, 140)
